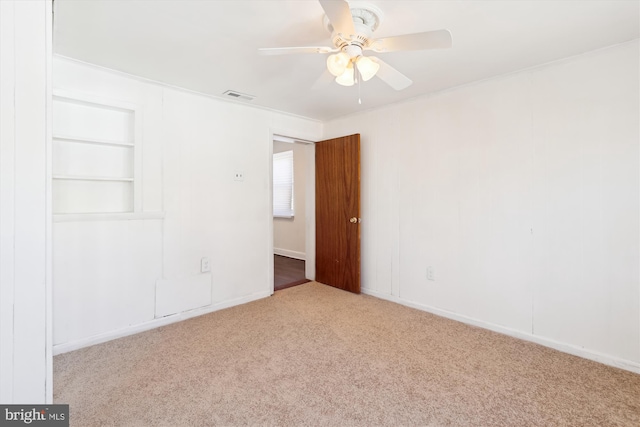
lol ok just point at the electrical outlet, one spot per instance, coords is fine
(205, 265)
(238, 176)
(430, 274)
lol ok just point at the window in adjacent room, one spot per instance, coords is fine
(283, 184)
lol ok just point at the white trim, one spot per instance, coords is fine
(288, 140)
(25, 360)
(99, 101)
(129, 216)
(7, 196)
(91, 178)
(155, 323)
(137, 157)
(279, 134)
(290, 254)
(616, 362)
(270, 270)
(310, 202)
(310, 215)
(49, 208)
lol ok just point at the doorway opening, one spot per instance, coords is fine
(293, 205)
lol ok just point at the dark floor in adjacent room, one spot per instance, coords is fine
(287, 272)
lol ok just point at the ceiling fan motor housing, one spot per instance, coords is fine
(366, 19)
(353, 50)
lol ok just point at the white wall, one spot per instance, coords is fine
(522, 192)
(109, 272)
(289, 233)
(208, 212)
(105, 268)
(25, 52)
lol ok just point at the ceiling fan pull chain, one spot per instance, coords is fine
(359, 80)
(356, 73)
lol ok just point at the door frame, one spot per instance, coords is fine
(310, 202)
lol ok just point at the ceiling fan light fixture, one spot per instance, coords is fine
(352, 25)
(367, 67)
(346, 78)
(338, 63)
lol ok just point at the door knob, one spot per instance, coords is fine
(353, 220)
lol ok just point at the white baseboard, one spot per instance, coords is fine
(152, 324)
(606, 359)
(290, 254)
(156, 323)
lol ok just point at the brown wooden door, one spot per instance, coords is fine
(338, 212)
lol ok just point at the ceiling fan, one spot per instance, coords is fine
(351, 33)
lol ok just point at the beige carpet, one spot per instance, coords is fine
(314, 355)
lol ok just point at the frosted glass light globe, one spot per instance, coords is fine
(346, 78)
(338, 63)
(367, 67)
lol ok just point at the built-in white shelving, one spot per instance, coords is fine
(94, 154)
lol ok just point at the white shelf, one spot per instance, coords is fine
(93, 141)
(91, 178)
(124, 216)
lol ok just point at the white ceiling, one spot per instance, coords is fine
(211, 46)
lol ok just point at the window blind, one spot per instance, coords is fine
(283, 184)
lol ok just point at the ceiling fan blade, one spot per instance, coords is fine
(323, 81)
(419, 41)
(339, 15)
(290, 50)
(391, 76)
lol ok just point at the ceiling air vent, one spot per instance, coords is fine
(238, 95)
